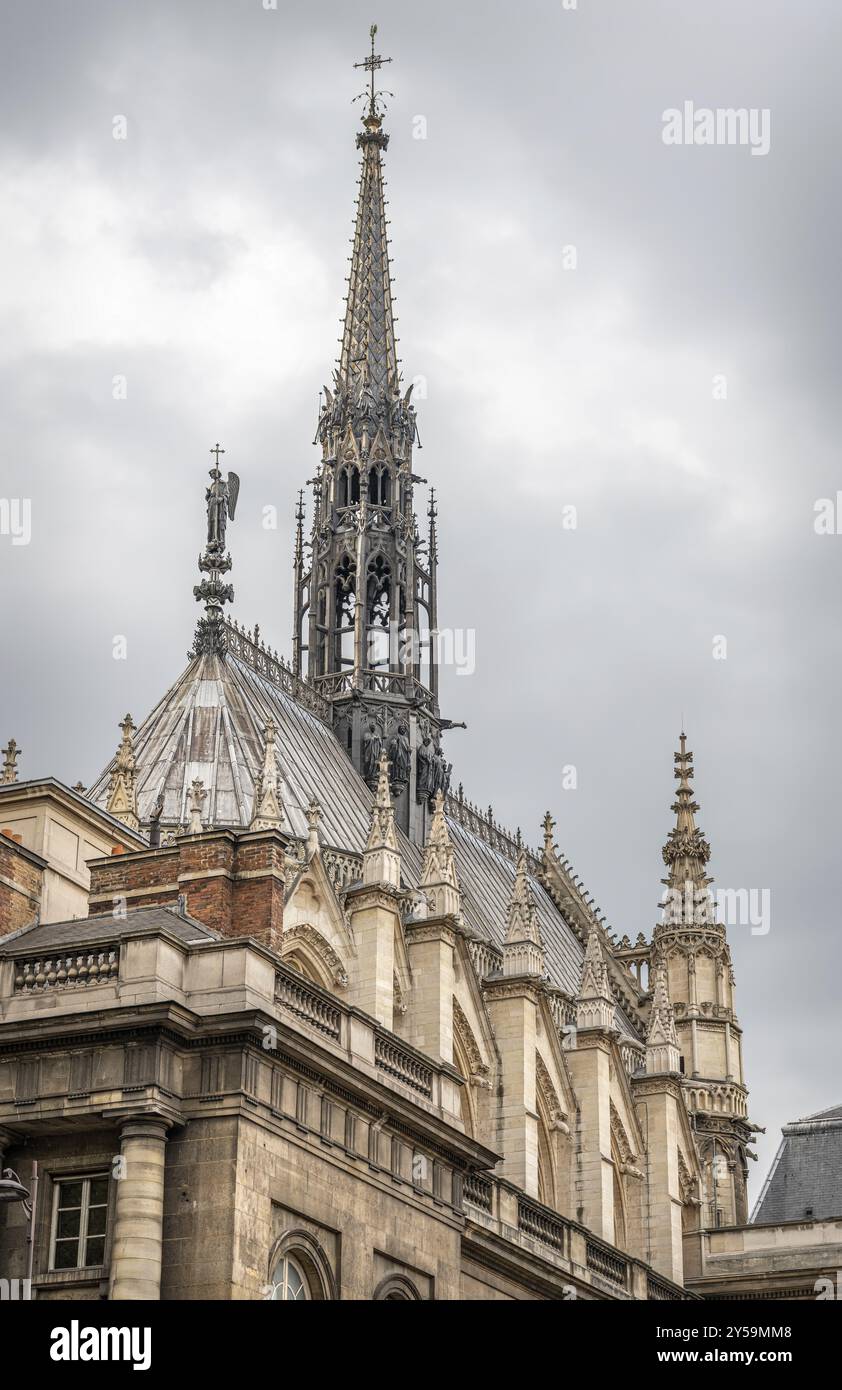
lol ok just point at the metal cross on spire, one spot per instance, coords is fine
(372, 64)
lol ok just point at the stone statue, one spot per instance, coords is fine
(221, 497)
(372, 748)
(425, 768)
(155, 822)
(399, 755)
(441, 773)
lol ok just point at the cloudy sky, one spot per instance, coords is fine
(201, 258)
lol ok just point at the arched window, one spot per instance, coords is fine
(396, 1288)
(289, 1281)
(299, 1269)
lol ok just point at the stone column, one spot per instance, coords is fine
(138, 1225)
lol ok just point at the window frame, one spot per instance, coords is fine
(86, 1179)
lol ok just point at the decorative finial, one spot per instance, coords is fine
(221, 499)
(11, 753)
(198, 796)
(686, 853)
(372, 64)
(267, 813)
(122, 793)
(314, 816)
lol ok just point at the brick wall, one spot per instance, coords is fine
(21, 878)
(233, 883)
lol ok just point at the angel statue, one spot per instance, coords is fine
(221, 497)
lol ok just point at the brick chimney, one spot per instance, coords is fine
(233, 882)
(21, 883)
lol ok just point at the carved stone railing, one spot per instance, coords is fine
(478, 1191)
(402, 1065)
(657, 1290)
(77, 969)
(373, 682)
(248, 647)
(342, 868)
(607, 1263)
(634, 1056)
(487, 959)
(483, 824)
(563, 1010)
(539, 1223)
(308, 1004)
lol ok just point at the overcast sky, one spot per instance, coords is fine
(202, 258)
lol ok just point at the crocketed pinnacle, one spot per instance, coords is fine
(439, 882)
(686, 853)
(122, 793)
(268, 810)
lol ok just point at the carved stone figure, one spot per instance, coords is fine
(221, 497)
(372, 748)
(399, 755)
(425, 768)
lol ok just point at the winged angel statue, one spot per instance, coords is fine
(221, 497)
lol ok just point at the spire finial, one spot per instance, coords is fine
(267, 812)
(11, 753)
(372, 64)
(122, 792)
(221, 500)
(686, 853)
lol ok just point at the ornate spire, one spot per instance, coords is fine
(595, 1002)
(367, 377)
(267, 812)
(661, 1041)
(687, 901)
(523, 949)
(221, 499)
(439, 882)
(11, 753)
(381, 858)
(122, 794)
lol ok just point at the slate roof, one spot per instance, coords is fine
(210, 725)
(805, 1180)
(102, 931)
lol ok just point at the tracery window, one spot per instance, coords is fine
(289, 1281)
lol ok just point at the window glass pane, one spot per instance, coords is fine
(65, 1257)
(68, 1222)
(95, 1251)
(70, 1194)
(99, 1191)
(96, 1221)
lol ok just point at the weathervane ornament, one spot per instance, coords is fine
(372, 64)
